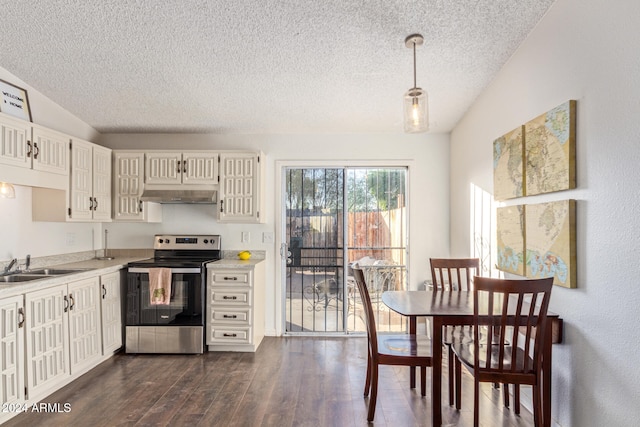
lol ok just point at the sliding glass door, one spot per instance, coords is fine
(333, 218)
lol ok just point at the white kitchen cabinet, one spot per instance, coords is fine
(47, 340)
(181, 167)
(85, 332)
(11, 353)
(128, 184)
(241, 191)
(235, 308)
(35, 155)
(90, 187)
(111, 309)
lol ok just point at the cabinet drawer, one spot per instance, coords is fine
(233, 316)
(230, 335)
(230, 277)
(230, 296)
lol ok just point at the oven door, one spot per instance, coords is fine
(185, 306)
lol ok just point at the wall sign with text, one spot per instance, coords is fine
(14, 101)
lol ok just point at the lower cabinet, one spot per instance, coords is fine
(235, 308)
(111, 306)
(11, 354)
(85, 332)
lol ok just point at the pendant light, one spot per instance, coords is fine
(416, 107)
(7, 191)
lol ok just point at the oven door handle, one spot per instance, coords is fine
(173, 270)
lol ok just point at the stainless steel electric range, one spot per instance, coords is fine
(174, 324)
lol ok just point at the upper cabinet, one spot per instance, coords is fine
(128, 183)
(240, 197)
(36, 156)
(187, 167)
(90, 185)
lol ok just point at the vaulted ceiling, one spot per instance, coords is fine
(260, 66)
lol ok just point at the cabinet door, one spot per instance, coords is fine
(85, 332)
(128, 186)
(50, 151)
(163, 168)
(200, 168)
(239, 176)
(47, 339)
(15, 147)
(111, 312)
(81, 189)
(101, 183)
(11, 351)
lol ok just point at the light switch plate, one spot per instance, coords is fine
(246, 237)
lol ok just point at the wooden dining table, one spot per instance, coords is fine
(456, 308)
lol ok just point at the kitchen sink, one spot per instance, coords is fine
(54, 271)
(14, 278)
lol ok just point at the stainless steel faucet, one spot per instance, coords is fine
(8, 268)
(27, 262)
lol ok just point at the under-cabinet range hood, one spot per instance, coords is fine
(179, 196)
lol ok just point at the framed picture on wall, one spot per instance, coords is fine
(14, 101)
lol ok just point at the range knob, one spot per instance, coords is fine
(160, 240)
(206, 241)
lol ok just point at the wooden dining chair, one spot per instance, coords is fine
(512, 314)
(454, 274)
(384, 349)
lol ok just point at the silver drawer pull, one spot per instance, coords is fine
(228, 297)
(230, 278)
(230, 335)
(230, 316)
(164, 317)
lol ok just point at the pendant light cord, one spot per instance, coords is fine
(414, 65)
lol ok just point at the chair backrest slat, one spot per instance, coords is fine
(458, 272)
(369, 318)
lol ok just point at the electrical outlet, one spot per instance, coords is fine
(246, 237)
(71, 239)
(267, 237)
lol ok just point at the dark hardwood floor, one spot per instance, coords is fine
(290, 381)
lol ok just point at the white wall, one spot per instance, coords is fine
(429, 191)
(585, 50)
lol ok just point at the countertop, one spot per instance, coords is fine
(94, 268)
(235, 263)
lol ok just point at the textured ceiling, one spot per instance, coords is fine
(261, 66)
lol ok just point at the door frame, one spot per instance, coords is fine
(280, 183)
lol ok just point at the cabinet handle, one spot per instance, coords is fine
(90, 203)
(66, 304)
(95, 203)
(104, 292)
(29, 149)
(221, 206)
(36, 150)
(179, 169)
(229, 335)
(20, 317)
(140, 206)
(72, 302)
(184, 166)
(230, 278)
(228, 297)
(230, 316)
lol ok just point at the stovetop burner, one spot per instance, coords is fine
(180, 250)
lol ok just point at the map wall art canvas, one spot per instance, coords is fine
(510, 224)
(550, 242)
(508, 165)
(550, 151)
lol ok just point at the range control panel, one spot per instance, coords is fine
(196, 242)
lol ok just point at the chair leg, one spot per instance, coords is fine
(367, 381)
(374, 393)
(451, 380)
(516, 398)
(537, 406)
(505, 390)
(458, 368)
(423, 380)
(476, 402)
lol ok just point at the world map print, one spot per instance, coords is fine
(550, 242)
(510, 222)
(550, 151)
(508, 165)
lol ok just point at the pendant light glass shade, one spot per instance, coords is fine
(7, 191)
(416, 111)
(416, 105)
